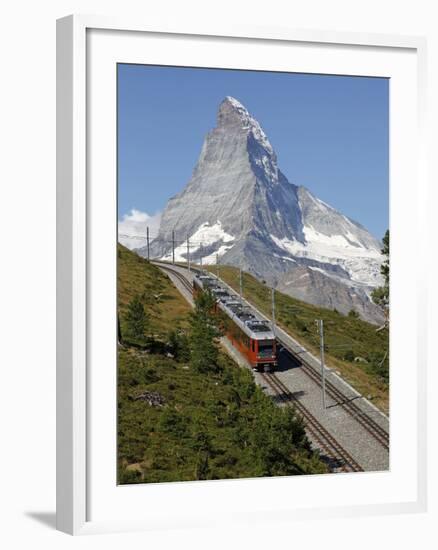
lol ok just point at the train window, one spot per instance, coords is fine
(266, 348)
(253, 345)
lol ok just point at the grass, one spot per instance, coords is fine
(346, 338)
(165, 307)
(177, 424)
(209, 427)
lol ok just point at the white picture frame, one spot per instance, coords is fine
(75, 217)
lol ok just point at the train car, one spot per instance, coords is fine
(203, 282)
(251, 335)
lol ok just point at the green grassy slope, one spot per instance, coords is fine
(177, 424)
(207, 427)
(346, 337)
(164, 305)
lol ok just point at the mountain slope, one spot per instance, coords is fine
(239, 207)
(166, 308)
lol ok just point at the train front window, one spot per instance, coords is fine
(266, 349)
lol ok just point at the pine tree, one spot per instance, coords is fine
(380, 295)
(204, 332)
(178, 345)
(136, 318)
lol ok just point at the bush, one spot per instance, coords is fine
(378, 365)
(136, 318)
(204, 351)
(173, 423)
(129, 476)
(178, 345)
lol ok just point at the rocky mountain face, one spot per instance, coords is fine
(239, 209)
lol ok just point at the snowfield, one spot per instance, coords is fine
(360, 262)
(204, 237)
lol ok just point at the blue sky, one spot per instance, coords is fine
(330, 133)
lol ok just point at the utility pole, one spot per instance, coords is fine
(188, 252)
(240, 282)
(147, 239)
(321, 340)
(217, 265)
(173, 247)
(200, 252)
(273, 308)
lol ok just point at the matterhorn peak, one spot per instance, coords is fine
(235, 103)
(233, 114)
(238, 107)
(239, 207)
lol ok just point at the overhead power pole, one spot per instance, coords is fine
(321, 340)
(188, 252)
(273, 307)
(147, 239)
(200, 252)
(217, 265)
(240, 282)
(173, 247)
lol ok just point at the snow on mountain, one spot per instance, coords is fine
(251, 124)
(361, 263)
(205, 237)
(240, 206)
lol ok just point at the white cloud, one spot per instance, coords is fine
(132, 228)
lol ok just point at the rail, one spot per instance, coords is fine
(338, 456)
(368, 423)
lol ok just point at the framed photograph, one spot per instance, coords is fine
(240, 333)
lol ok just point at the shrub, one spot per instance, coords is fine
(204, 352)
(136, 318)
(178, 345)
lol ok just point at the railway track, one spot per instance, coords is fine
(339, 458)
(368, 423)
(183, 280)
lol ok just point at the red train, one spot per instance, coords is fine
(250, 335)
